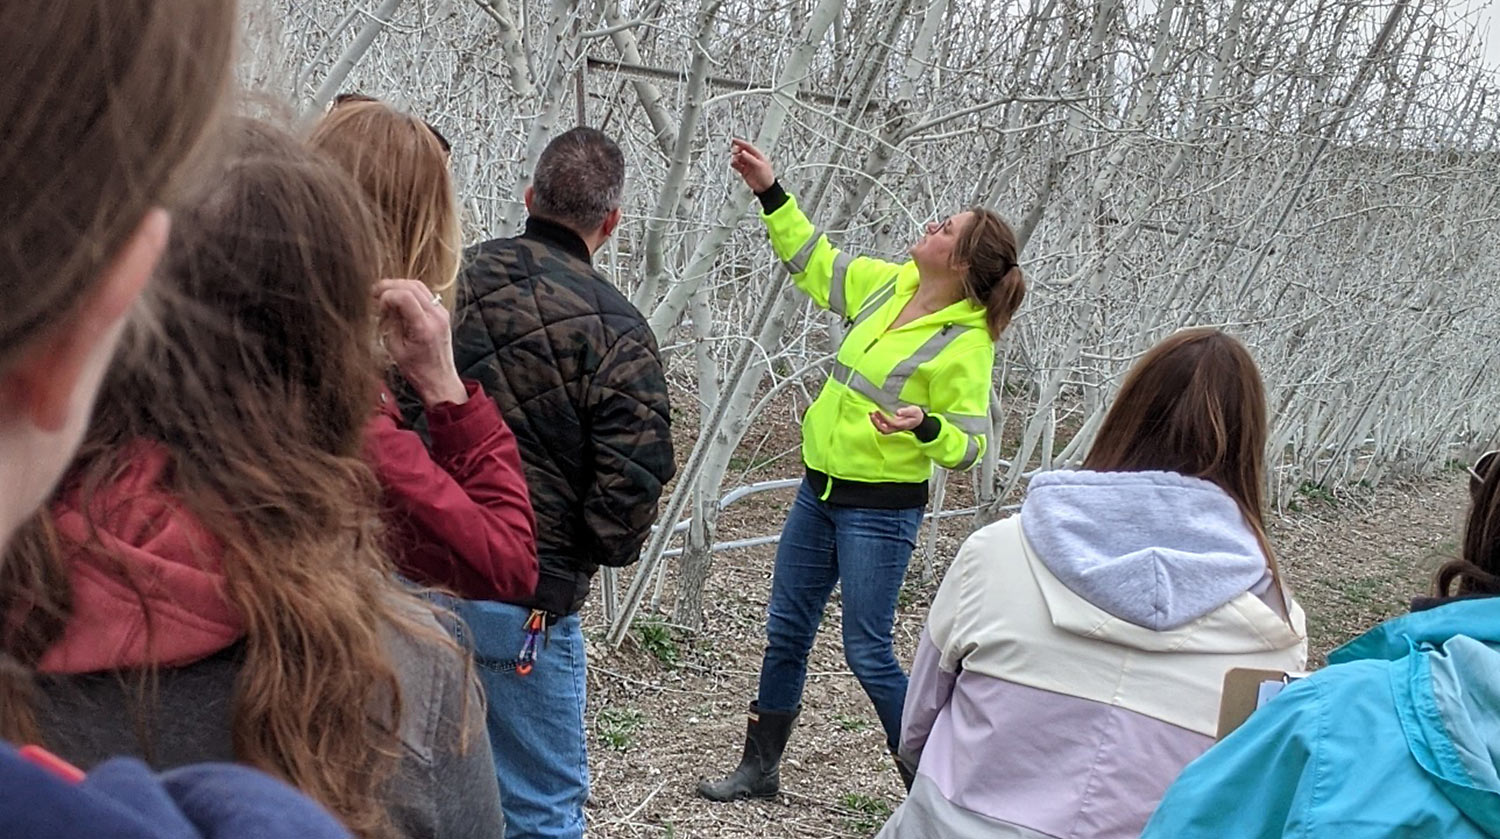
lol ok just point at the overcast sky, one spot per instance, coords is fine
(1489, 27)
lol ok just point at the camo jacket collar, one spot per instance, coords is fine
(561, 235)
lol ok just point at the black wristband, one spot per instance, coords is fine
(772, 197)
(928, 429)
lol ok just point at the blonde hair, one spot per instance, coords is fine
(401, 164)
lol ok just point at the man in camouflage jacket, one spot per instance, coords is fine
(576, 372)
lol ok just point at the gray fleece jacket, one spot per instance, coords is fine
(444, 787)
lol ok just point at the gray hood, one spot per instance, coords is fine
(1156, 549)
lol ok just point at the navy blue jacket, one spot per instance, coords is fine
(122, 799)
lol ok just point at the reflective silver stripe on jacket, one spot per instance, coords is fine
(836, 286)
(856, 381)
(888, 396)
(968, 423)
(971, 454)
(929, 350)
(872, 304)
(798, 263)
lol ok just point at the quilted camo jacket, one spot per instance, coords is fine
(577, 375)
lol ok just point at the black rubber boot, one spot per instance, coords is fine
(908, 772)
(759, 772)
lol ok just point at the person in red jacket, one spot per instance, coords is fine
(459, 514)
(210, 581)
(103, 102)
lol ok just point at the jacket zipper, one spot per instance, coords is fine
(838, 409)
(853, 370)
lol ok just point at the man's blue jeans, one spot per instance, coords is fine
(864, 550)
(536, 721)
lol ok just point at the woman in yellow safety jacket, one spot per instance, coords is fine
(910, 387)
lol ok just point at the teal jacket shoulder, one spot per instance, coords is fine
(1399, 737)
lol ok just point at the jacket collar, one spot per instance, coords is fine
(1477, 618)
(553, 233)
(962, 313)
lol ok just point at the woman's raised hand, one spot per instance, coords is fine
(414, 329)
(752, 164)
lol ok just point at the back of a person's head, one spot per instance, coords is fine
(257, 382)
(579, 179)
(402, 165)
(993, 279)
(1193, 404)
(276, 257)
(102, 102)
(1477, 569)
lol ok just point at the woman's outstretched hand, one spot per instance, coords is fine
(752, 164)
(906, 418)
(414, 329)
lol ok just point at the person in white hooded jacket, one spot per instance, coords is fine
(1073, 658)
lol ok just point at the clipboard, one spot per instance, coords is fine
(1245, 690)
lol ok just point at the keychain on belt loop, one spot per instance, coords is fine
(535, 625)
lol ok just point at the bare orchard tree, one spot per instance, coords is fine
(1320, 177)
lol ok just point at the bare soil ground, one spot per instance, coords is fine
(667, 708)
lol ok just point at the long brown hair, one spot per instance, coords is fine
(102, 101)
(258, 384)
(1194, 404)
(993, 279)
(401, 164)
(1477, 569)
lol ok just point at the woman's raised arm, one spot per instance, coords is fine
(847, 285)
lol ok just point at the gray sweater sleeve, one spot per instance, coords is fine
(466, 796)
(445, 787)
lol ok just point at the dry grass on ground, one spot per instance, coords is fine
(667, 708)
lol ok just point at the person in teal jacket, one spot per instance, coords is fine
(1400, 737)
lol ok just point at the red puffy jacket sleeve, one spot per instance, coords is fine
(459, 517)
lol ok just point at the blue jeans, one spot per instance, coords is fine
(864, 550)
(536, 721)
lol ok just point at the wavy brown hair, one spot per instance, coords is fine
(401, 164)
(1194, 404)
(258, 384)
(1477, 569)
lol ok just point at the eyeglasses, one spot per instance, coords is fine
(345, 98)
(1481, 470)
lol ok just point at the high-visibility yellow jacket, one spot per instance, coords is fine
(941, 362)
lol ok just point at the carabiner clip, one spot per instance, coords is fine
(535, 624)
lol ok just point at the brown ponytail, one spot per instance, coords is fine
(993, 279)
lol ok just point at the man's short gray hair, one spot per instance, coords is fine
(579, 179)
